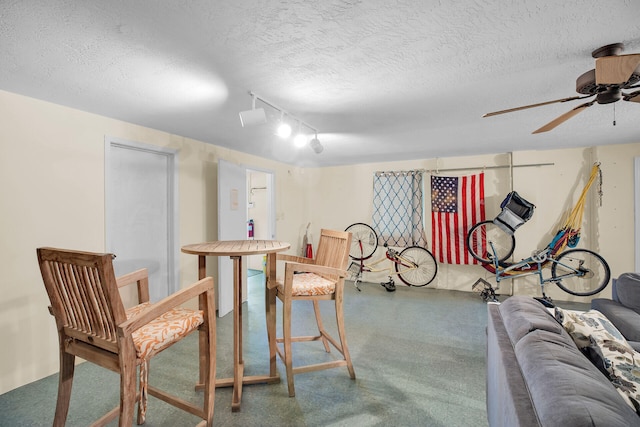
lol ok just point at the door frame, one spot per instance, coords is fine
(173, 251)
(271, 197)
(232, 225)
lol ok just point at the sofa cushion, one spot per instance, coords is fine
(565, 387)
(523, 314)
(623, 368)
(588, 328)
(628, 290)
(607, 349)
(626, 320)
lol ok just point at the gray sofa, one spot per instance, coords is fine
(536, 376)
(623, 309)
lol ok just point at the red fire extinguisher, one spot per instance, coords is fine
(250, 228)
(309, 248)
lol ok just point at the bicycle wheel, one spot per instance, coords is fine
(580, 272)
(364, 241)
(486, 239)
(426, 266)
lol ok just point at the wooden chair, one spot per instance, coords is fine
(316, 279)
(93, 324)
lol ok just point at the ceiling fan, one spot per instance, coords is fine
(613, 73)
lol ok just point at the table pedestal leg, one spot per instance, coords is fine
(238, 362)
(239, 379)
(270, 311)
(202, 335)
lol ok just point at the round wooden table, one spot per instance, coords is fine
(236, 249)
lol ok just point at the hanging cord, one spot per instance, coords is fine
(600, 193)
(574, 220)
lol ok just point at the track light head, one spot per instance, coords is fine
(316, 146)
(300, 140)
(253, 117)
(284, 130)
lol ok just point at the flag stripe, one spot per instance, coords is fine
(456, 204)
(465, 217)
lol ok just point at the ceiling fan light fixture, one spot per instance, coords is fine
(608, 96)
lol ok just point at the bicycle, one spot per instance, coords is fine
(579, 272)
(414, 265)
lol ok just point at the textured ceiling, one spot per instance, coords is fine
(380, 79)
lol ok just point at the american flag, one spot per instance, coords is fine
(457, 203)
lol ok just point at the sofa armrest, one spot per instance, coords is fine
(625, 319)
(508, 400)
(627, 290)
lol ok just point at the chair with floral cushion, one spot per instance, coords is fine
(93, 324)
(315, 280)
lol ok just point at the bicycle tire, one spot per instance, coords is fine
(595, 270)
(364, 241)
(426, 270)
(483, 234)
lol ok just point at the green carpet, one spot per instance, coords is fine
(251, 272)
(418, 353)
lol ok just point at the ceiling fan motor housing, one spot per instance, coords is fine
(608, 50)
(605, 94)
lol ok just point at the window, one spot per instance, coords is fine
(398, 206)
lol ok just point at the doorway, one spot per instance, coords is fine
(141, 217)
(259, 207)
(233, 216)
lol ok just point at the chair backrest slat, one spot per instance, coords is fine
(333, 249)
(83, 293)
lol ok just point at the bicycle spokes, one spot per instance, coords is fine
(580, 272)
(364, 241)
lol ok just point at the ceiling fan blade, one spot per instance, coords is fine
(615, 70)
(510, 110)
(563, 118)
(633, 96)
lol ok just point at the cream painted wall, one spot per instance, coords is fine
(554, 189)
(52, 177)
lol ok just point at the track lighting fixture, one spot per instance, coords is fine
(254, 116)
(284, 129)
(300, 140)
(315, 145)
(257, 116)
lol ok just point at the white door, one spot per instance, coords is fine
(232, 225)
(141, 229)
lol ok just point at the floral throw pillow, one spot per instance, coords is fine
(601, 341)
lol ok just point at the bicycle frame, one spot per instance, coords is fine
(391, 255)
(545, 260)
